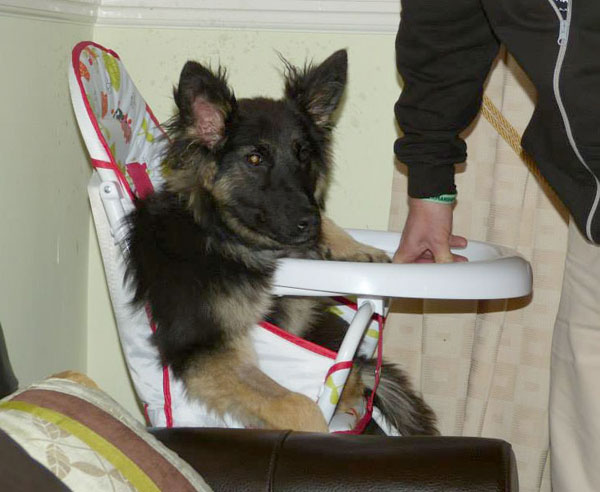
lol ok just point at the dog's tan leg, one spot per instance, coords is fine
(337, 244)
(296, 314)
(230, 382)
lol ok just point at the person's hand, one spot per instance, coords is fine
(427, 236)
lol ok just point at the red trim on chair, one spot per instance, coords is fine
(101, 164)
(155, 121)
(167, 395)
(305, 344)
(166, 379)
(146, 416)
(340, 366)
(84, 44)
(346, 302)
(141, 180)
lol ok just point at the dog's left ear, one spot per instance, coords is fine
(317, 89)
(205, 103)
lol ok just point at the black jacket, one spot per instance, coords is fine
(444, 52)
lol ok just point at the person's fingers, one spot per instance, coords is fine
(427, 256)
(404, 255)
(409, 250)
(443, 256)
(407, 253)
(457, 241)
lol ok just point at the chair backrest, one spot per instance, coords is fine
(125, 143)
(119, 129)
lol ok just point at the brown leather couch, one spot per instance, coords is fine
(235, 460)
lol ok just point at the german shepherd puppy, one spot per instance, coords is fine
(245, 186)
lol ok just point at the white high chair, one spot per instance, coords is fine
(125, 143)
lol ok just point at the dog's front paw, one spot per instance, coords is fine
(337, 244)
(296, 412)
(368, 254)
(357, 252)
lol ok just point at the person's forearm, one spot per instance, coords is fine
(444, 52)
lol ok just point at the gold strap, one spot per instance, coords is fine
(508, 133)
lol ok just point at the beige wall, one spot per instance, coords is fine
(44, 214)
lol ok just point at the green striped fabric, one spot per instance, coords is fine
(90, 442)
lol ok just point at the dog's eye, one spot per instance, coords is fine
(254, 159)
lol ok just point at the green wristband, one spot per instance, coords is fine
(448, 198)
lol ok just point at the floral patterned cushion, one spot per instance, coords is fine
(90, 442)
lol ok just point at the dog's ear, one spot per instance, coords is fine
(317, 89)
(205, 103)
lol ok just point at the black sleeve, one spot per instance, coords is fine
(444, 51)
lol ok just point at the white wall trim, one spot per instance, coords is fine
(368, 16)
(288, 15)
(78, 11)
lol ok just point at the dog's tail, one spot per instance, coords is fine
(397, 400)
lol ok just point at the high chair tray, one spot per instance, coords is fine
(492, 272)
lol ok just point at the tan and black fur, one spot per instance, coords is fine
(245, 185)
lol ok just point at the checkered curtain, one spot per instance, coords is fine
(484, 366)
